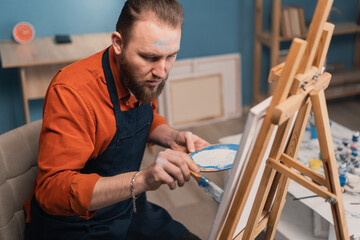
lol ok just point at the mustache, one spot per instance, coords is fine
(158, 78)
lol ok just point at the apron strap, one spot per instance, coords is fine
(111, 85)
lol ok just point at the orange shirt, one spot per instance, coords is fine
(78, 124)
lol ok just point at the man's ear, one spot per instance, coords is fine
(118, 42)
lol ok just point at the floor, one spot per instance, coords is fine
(193, 207)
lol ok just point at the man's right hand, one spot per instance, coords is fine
(169, 167)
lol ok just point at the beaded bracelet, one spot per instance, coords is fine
(132, 191)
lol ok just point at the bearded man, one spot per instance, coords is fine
(99, 113)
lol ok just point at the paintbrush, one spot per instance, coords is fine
(208, 186)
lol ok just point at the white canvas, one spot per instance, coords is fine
(252, 127)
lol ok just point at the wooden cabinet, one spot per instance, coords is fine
(39, 60)
(202, 90)
(347, 82)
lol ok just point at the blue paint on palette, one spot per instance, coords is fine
(233, 147)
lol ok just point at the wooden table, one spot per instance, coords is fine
(39, 60)
(309, 218)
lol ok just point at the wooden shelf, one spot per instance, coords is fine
(272, 39)
(266, 37)
(344, 84)
(346, 28)
(342, 91)
(342, 28)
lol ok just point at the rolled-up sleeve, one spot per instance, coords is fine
(66, 144)
(158, 119)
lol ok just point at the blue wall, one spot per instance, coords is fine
(211, 27)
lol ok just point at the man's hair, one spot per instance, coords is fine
(169, 12)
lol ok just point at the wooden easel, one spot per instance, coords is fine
(300, 88)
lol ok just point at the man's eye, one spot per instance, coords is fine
(171, 56)
(150, 59)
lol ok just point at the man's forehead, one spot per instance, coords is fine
(167, 44)
(156, 35)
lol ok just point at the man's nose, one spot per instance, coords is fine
(159, 69)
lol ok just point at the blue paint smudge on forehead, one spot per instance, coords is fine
(162, 44)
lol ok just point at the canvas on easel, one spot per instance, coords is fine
(300, 85)
(253, 123)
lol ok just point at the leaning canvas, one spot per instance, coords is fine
(252, 127)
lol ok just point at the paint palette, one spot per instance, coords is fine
(216, 157)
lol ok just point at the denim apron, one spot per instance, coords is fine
(124, 154)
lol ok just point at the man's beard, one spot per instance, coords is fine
(137, 87)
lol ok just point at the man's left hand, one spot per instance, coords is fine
(176, 140)
(188, 142)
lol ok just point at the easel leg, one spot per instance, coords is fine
(272, 192)
(256, 210)
(292, 150)
(263, 195)
(276, 210)
(329, 162)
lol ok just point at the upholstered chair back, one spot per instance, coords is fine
(18, 169)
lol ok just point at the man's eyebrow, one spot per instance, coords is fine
(150, 54)
(175, 52)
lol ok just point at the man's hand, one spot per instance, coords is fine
(180, 141)
(174, 164)
(169, 167)
(188, 142)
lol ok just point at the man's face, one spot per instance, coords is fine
(147, 58)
